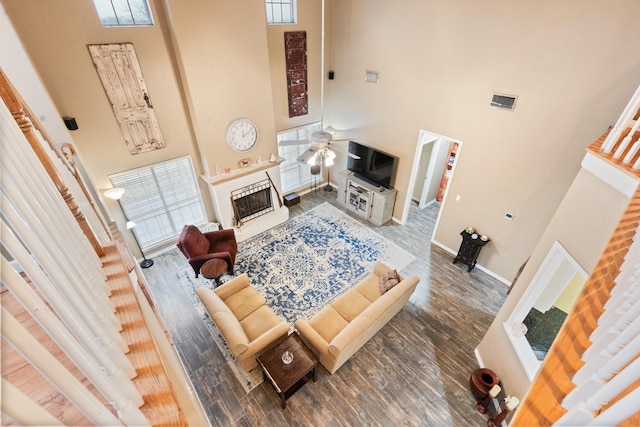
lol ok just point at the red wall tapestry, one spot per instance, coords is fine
(295, 48)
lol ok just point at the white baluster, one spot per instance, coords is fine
(48, 205)
(627, 282)
(617, 318)
(23, 410)
(53, 259)
(117, 389)
(592, 376)
(625, 143)
(584, 412)
(56, 373)
(98, 341)
(625, 118)
(619, 411)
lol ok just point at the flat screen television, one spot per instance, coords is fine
(374, 166)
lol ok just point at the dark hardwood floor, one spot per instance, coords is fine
(414, 371)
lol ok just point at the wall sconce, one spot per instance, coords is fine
(116, 194)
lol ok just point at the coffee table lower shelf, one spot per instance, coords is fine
(287, 379)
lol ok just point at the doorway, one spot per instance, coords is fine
(430, 161)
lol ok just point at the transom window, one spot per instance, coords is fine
(281, 12)
(294, 174)
(161, 199)
(124, 13)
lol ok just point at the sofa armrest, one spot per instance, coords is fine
(232, 332)
(350, 336)
(407, 285)
(219, 235)
(233, 286)
(269, 337)
(311, 336)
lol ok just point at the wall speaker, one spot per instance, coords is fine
(70, 122)
(331, 75)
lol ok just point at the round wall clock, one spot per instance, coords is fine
(242, 135)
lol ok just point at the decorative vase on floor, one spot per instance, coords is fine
(481, 381)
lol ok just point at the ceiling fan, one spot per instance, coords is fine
(320, 151)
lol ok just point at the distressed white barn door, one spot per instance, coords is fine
(121, 76)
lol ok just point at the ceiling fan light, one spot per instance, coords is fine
(312, 159)
(328, 161)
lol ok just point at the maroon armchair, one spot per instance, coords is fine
(200, 247)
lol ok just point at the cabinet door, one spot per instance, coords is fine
(376, 209)
(342, 188)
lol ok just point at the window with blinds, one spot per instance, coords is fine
(293, 174)
(160, 199)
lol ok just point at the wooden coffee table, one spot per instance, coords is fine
(213, 269)
(287, 379)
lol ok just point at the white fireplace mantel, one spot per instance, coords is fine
(221, 187)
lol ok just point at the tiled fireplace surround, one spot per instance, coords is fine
(222, 186)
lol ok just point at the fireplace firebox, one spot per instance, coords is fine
(252, 201)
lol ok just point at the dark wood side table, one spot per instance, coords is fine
(470, 248)
(287, 379)
(213, 269)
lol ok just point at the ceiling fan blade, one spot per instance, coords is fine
(308, 155)
(288, 142)
(345, 152)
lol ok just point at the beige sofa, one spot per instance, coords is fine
(341, 328)
(243, 318)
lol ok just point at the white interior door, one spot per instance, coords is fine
(428, 194)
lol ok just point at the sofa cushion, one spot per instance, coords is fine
(388, 280)
(193, 241)
(328, 323)
(259, 322)
(244, 302)
(350, 304)
(369, 287)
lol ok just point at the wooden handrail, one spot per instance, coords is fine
(18, 109)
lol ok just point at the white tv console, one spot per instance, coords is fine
(372, 202)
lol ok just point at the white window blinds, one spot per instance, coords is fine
(161, 198)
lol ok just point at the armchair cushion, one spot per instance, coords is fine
(193, 241)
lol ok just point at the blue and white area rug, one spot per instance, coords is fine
(301, 266)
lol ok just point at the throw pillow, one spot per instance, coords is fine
(388, 280)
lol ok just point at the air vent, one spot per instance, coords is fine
(371, 76)
(505, 102)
